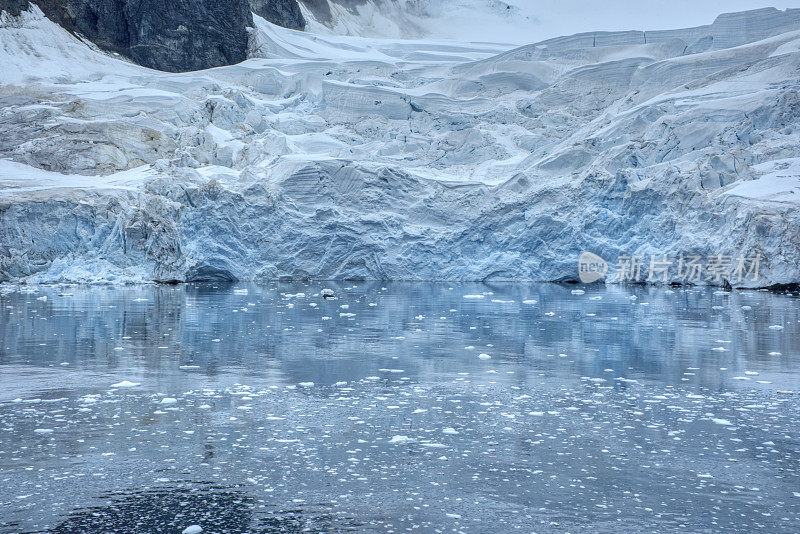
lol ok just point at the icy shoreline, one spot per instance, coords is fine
(349, 158)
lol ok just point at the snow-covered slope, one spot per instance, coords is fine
(342, 157)
(512, 21)
(485, 20)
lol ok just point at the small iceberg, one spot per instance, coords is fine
(125, 384)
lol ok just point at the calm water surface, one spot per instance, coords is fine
(398, 408)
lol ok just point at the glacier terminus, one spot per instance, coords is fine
(345, 157)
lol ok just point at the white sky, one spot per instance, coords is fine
(564, 17)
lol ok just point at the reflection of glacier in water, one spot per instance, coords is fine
(271, 409)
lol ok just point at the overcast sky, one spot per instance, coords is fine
(561, 17)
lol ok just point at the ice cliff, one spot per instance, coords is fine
(332, 157)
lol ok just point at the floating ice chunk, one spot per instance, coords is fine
(499, 301)
(723, 422)
(484, 356)
(751, 373)
(453, 516)
(578, 292)
(775, 354)
(401, 439)
(168, 400)
(44, 430)
(347, 315)
(306, 384)
(125, 384)
(238, 292)
(193, 529)
(450, 430)
(776, 327)
(42, 298)
(474, 297)
(720, 349)
(530, 301)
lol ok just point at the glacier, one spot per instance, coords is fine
(342, 157)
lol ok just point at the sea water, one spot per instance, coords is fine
(398, 407)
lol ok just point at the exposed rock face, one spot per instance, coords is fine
(284, 13)
(13, 7)
(320, 10)
(175, 36)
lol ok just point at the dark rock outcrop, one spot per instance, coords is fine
(284, 13)
(13, 7)
(320, 9)
(171, 35)
(175, 35)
